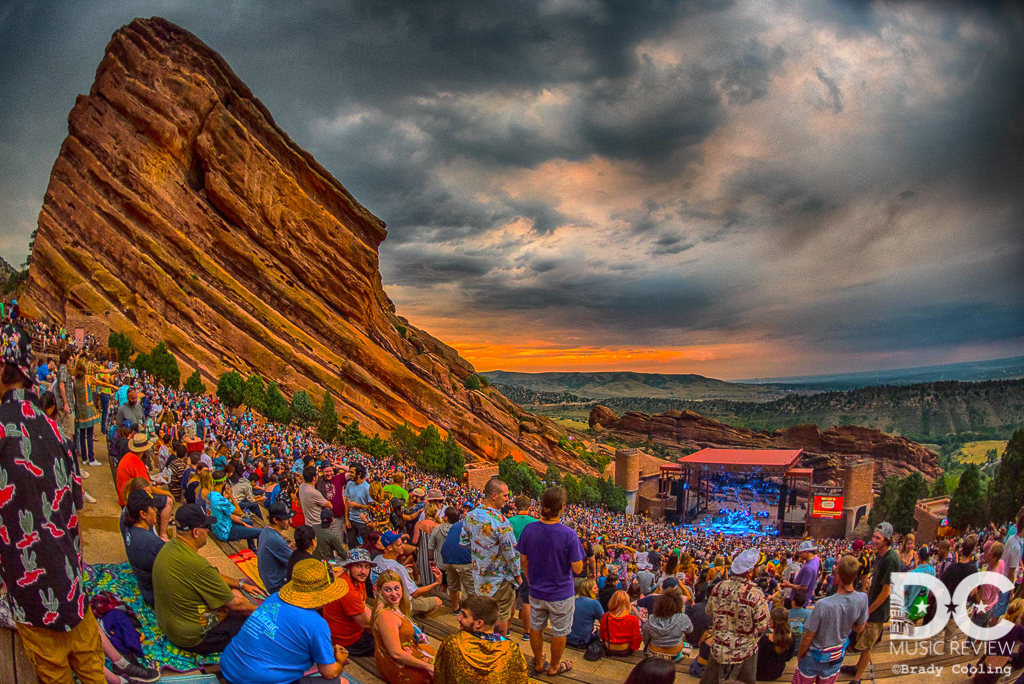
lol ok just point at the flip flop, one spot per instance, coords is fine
(563, 667)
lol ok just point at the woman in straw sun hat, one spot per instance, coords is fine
(286, 636)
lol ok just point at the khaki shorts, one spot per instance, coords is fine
(506, 598)
(460, 578)
(55, 655)
(871, 633)
(420, 605)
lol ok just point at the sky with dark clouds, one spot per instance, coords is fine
(734, 189)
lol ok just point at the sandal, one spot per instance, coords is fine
(563, 667)
(543, 668)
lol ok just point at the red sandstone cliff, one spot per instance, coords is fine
(823, 450)
(177, 210)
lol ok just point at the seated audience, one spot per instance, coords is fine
(667, 626)
(285, 637)
(231, 524)
(274, 550)
(349, 617)
(775, 647)
(620, 631)
(190, 595)
(476, 654)
(328, 545)
(141, 544)
(304, 545)
(587, 610)
(130, 467)
(402, 653)
(652, 671)
(420, 602)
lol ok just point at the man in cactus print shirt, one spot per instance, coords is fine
(492, 543)
(40, 545)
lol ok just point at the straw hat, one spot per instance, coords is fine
(139, 444)
(312, 585)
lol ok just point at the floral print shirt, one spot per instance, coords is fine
(491, 541)
(40, 496)
(739, 616)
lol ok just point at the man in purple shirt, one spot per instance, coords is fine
(806, 579)
(550, 553)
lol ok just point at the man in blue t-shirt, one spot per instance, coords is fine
(357, 500)
(550, 554)
(285, 637)
(458, 562)
(274, 551)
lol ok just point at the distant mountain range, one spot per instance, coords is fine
(630, 384)
(972, 371)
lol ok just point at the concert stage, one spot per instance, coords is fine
(749, 492)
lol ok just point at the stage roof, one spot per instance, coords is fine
(776, 460)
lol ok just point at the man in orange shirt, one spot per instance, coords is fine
(130, 467)
(349, 617)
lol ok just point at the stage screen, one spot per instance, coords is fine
(827, 507)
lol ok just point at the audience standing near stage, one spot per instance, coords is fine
(888, 562)
(489, 535)
(739, 615)
(477, 653)
(285, 637)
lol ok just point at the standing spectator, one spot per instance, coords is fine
(888, 562)
(397, 487)
(64, 392)
(488, 534)
(286, 637)
(788, 575)
(458, 562)
(824, 641)
(739, 615)
(911, 593)
(311, 500)
(476, 654)
(274, 550)
(437, 539)
(1013, 548)
(331, 484)
(806, 579)
(349, 617)
(520, 520)
(190, 596)
(40, 559)
(131, 410)
(357, 503)
(85, 415)
(550, 553)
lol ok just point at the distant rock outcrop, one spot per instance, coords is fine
(823, 450)
(179, 211)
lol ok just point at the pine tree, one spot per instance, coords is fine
(885, 501)
(254, 395)
(1007, 487)
(276, 408)
(902, 514)
(164, 367)
(431, 451)
(965, 506)
(195, 385)
(553, 474)
(941, 486)
(229, 389)
(328, 422)
(454, 461)
(405, 442)
(122, 345)
(303, 412)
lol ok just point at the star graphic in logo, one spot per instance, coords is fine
(919, 607)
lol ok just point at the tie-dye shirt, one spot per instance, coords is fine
(491, 541)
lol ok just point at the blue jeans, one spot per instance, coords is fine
(251, 507)
(85, 438)
(104, 407)
(249, 534)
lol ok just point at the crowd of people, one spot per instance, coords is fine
(356, 555)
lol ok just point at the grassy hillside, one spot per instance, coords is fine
(979, 452)
(930, 412)
(626, 384)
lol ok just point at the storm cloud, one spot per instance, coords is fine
(751, 188)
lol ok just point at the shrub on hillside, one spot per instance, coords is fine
(229, 389)
(254, 395)
(304, 412)
(327, 425)
(195, 385)
(275, 407)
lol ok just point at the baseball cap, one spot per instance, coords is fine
(389, 538)
(467, 504)
(858, 545)
(279, 511)
(885, 529)
(357, 556)
(669, 582)
(807, 546)
(745, 561)
(138, 500)
(191, 517)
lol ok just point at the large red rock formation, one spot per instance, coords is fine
(179, 211)
(825, 451)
